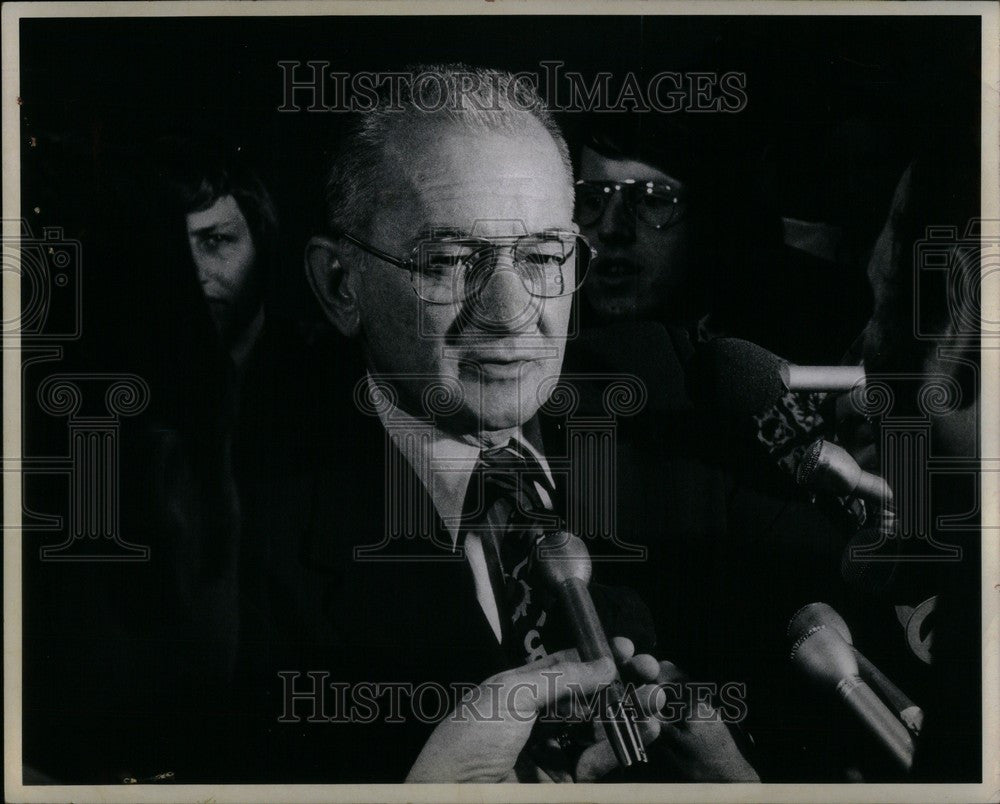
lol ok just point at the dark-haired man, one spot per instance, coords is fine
(633, 205)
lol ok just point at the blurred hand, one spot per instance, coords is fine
(481, 740)
(486, 743)
(701, 748)
(856, 434)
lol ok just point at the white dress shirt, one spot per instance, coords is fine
(444, 463)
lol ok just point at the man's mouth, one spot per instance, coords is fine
(497, 365)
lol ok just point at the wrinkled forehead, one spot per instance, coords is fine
(488, 182)
(224, 211)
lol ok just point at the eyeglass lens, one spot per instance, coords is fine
(453, 270)
(654, 204)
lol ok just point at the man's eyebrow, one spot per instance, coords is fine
(208, 229)
(429, 232)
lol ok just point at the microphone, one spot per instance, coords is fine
(821, 652)
(748, 378)
(820, 614)
(870, 560)
(740, 379)
(829, 468)
(822, 378)
(564, 563)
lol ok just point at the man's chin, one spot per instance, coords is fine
(488, 419)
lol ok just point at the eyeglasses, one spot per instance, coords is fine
(447, 270)
(657, 204)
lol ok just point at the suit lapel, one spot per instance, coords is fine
(395, 588)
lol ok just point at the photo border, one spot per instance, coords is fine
(14, 790)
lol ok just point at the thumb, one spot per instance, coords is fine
(598, 760)
(531, 690)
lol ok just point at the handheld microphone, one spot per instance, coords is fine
(749, 378)
(824, 655)
(829, 468)
(822, 378)
(565, 565)
(820, 614)
(869, 563)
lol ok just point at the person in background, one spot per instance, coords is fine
(922, 344)
(637, 200)
(682, 233)
(151, 646)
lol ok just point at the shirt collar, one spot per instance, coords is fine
(443, 462)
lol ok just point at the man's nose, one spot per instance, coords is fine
(504, 303)
(616, 225)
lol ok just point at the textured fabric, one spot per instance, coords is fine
(509, 504)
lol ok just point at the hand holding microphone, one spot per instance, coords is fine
(564, 564)
(487, 743)
(829, 468)
(701, 749)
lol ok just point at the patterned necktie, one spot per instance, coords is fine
(509, 504)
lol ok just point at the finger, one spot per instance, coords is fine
(649, 730)
(547, 661)
(622, 649)
(867, 458)
(670, 673)
(650, 699)
(642, 668)
(532, 688)
(568, 654)
(598, 760)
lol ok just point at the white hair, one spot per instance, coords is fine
(479, 99)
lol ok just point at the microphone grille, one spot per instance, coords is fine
(797, 644)
(810, 460)
(867, 568)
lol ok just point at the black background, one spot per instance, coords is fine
(93, 90)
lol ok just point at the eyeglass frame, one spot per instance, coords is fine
(410, 263)
(679, 192)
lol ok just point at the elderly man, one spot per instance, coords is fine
(394, 561)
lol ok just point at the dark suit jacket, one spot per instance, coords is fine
(729, 554)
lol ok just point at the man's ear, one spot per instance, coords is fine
(330, 281)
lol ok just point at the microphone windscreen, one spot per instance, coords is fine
(739, 378)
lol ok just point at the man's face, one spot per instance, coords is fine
(638, 267)
(224, 255)
(500, 348)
